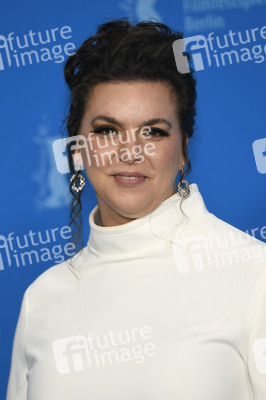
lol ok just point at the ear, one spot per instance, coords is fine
(182, 159)
(77, 159)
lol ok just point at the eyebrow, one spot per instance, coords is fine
(151, 121)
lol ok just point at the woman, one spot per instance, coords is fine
(166, 301)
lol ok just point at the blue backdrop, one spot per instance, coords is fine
(228, 152)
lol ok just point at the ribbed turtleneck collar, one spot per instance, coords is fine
(143, 233)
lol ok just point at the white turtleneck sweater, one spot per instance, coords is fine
(164, 308)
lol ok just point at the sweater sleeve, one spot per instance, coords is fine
(257, 341)
(17, 384)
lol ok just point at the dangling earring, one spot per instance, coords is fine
(77, 175)
(183, 185)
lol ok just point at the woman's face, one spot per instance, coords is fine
(134, 148)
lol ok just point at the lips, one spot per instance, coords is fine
(130, 174)
(129, 178)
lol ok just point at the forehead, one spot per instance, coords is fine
(134, 100)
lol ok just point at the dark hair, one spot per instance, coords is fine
(121, 51)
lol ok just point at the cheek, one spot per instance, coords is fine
(166, 155)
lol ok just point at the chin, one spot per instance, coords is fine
(133, 207)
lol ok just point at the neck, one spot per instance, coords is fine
(163, 225)
(108, 217)
(111, 219)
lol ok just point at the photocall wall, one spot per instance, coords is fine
(227, 40)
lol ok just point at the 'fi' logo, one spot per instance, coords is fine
(4, 45)
(4, 246)
(192, 254)
(60, 151)
(259, 150)
(71, 354)
(196, 46)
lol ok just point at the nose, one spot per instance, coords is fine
(130, 149)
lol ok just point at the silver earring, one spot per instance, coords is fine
(183, 185)
(77, 175)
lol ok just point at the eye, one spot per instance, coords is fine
(105, 130)
(155, 133)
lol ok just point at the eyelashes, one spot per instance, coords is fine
(154, 132)
(104, 129)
